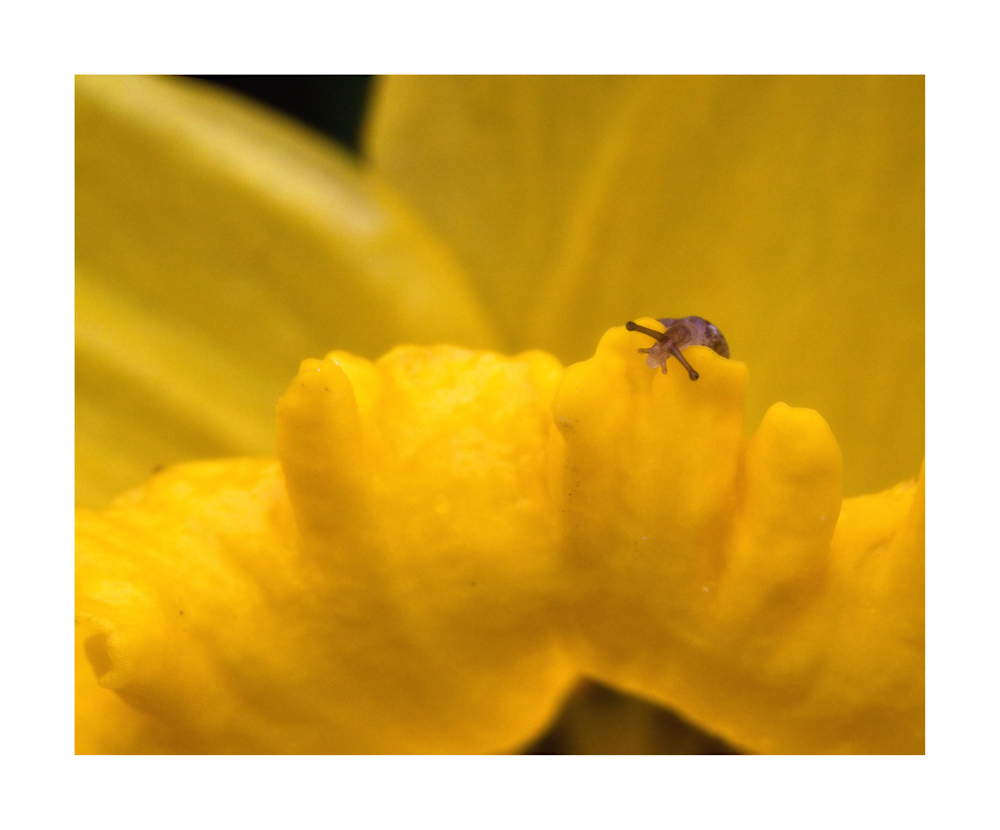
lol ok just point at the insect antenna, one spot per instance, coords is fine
(677, 353)
(658, 335)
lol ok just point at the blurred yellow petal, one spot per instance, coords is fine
(216, 244)
(497, 165)
(394, 599)
(706, 572)
(789, 211)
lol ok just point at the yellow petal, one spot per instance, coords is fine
(788, 211)
(497, 165)
(705, 573)
(216, 244)
(393, 599)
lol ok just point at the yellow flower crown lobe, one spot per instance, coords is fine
(424, 474)
(319, 444)
(651, 466)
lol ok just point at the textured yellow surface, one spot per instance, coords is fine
(450, 538)
(453, 537)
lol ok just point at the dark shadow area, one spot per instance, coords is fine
(597, 720)
(332, 104)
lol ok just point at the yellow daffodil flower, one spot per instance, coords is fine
(449, 539)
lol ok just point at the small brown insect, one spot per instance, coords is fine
(681, 333)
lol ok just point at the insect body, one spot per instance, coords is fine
(681, 333)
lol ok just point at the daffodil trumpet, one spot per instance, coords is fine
(450, 539)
